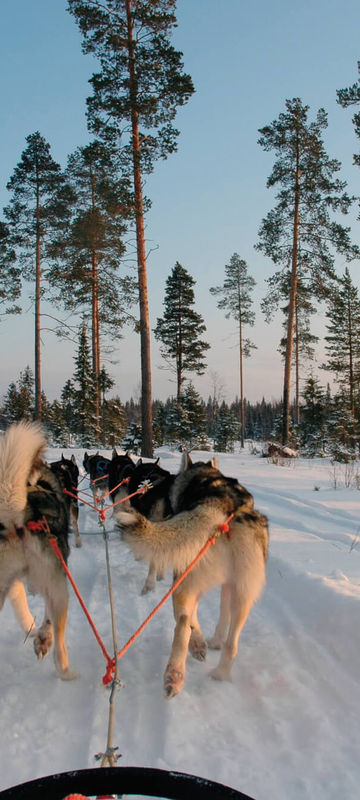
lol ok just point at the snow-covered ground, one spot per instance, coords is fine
(286, 728)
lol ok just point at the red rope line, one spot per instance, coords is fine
(100, 478)
(53, 543)
(110, 668)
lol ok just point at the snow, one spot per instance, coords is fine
(286, 727)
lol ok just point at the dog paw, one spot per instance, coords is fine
(214, 643)
(220, 674)
(68, 674)
(148, 587)
(78, 542)
(43, 641)
(198, 648)
(173, 682)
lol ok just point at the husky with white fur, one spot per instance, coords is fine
(202, 499)
(30, 492)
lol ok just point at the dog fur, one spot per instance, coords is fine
(29, 491)
(67, 472)
(202, 499)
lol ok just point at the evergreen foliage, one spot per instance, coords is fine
(343, 339)
(84, 407)
(299, 231)
(226, 431)
(180, 328)
(349, 97)
(135, 97)
(236, 301)
(38, 200)
(10, 280)
(313, 428)
(19, 400)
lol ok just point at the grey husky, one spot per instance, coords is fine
(202, 499)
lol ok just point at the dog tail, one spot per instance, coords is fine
(21, 449)
(173, 542)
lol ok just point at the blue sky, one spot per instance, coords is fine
(208, 199)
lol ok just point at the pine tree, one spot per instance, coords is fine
(349, 97)
(38, 199)
(10, 282)
(89, 249)
(180, 328)
(343, 338)
(299, 230)
(237, 303)
(141, 84)
(304, 340)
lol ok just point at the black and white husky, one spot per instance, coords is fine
(97, 467)
(67, 472)
(29, 494)
(153, 504)
(202, 499)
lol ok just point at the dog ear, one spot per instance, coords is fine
(138, 463)
(214, 463)
(114, 453)
(157, 462)
(185, 462)
(73, 459)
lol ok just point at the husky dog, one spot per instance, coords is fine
(30, 492)
(97, 466)
(67, 472)
(202, 499)
(154, 503)
(121, 467)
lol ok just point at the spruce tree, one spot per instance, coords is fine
(113, 421)
(134, 102)
(313, 427)
(85, 394)
(180, 328)
(38, 199)
(19, 400)
(226, 431)
(299, 230)
(237, 303)
(343, 338)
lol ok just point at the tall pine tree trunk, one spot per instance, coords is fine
(146, 391)
(96, 340)
(297, 368)
(242, 399)
(292, 307)
(38, 404)
(351, 362)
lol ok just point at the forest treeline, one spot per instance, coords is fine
(75, 235)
